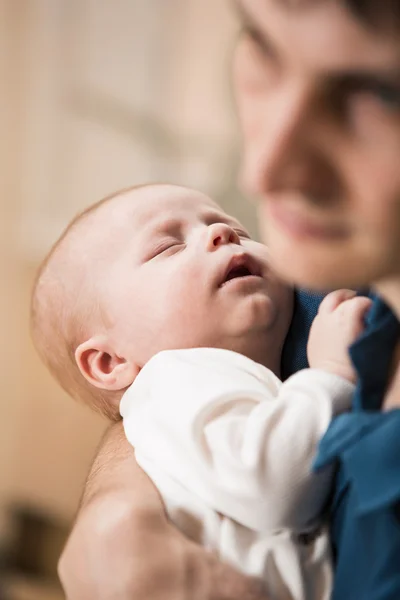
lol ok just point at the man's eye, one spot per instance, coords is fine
(386, 94)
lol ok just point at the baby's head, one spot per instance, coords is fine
(148, 269)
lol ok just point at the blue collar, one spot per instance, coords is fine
(372, 356)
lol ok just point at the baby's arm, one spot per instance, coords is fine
(263, 459)
(247, 448)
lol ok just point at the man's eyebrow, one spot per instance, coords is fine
(367, 74)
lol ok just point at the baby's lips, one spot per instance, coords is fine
(240, 263)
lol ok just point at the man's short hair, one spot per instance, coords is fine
(377, 13)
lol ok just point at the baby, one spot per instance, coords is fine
(158, 304)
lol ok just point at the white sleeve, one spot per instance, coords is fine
(242, 443)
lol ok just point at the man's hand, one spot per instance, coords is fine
(124, 548)
(339, 322)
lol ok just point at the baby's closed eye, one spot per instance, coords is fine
(165, 247)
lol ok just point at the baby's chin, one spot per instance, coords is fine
(256, 312)
(264, 327)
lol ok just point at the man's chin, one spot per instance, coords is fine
(321, 274)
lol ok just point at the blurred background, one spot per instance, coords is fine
(97, 95)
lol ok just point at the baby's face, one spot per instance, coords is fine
(182, 273)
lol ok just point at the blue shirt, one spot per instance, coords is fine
(365, 446)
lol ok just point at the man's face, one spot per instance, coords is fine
(318, 96)
(181, 273)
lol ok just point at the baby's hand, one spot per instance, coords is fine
(339, 322)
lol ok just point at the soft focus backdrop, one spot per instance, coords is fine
(96, 95)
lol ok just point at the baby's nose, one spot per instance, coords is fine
(220, 234)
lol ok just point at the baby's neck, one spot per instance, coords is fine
(265, 354)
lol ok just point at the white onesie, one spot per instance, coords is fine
(230, 448)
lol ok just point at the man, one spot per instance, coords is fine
(318, 92)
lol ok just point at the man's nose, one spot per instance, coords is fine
(278, 153)
(219, 234)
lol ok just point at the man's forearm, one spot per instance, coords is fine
(115, 471)
(123, 547)
(117, 499)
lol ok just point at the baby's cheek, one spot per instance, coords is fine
(187, 306)
(184, 286)
(186, 311)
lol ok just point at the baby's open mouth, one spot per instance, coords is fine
(238, 272)
(241, 266)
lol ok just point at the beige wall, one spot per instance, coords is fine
(46, 441)
(91, 104)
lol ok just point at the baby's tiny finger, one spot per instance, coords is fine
(334, 299)
(360, 307)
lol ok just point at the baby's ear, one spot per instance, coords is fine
(101, 367)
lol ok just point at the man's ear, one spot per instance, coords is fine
(101, 367)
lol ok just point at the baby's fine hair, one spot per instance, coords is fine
(65, 308)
